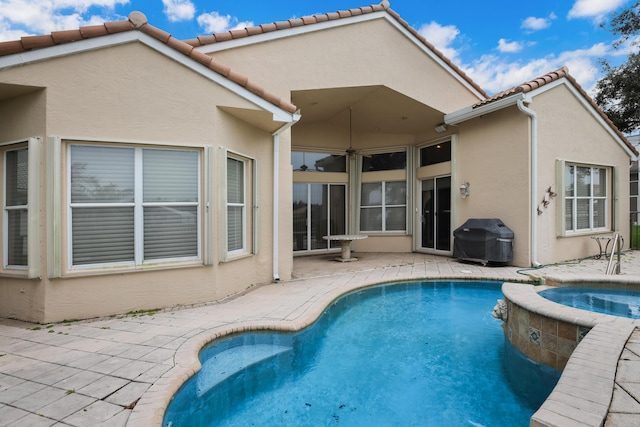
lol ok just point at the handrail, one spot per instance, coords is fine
(614, 268)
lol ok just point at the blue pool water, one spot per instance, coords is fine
(409, 354)
(618, 302)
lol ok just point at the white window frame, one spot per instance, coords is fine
(32, 145)
(607, 199)
(384, 207)
(15, 208)
(242, 205)
(251, 201)
(138, 204)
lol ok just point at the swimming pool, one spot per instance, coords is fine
(426, 353)
(617, 302)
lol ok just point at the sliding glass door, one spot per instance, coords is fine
(436, 213)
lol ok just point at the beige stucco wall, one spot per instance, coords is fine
(117, 94)
(363, 54)
(568, 131)
(492, 156)
(23, 116)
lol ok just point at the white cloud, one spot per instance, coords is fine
(215, 23)
(596, 9)
(509, 47)
(179, 10)
(442, 37)
(535, 24)
(29, 17)
(495, 73)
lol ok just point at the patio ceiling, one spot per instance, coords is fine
(374, 109)
(8, 91)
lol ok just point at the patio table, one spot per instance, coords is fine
(345, 242)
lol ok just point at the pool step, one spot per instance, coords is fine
(231, 361)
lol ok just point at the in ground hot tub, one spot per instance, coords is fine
(617, 302)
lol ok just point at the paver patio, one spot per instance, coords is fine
(95, 372)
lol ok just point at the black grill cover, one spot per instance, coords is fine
(483, 239)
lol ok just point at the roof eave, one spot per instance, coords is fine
(469, 113)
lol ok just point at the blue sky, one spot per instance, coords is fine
(499, 43)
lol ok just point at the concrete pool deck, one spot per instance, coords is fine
(123, 370)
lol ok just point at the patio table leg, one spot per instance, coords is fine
(345, 251)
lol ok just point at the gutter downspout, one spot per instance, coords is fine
(534, 178)
(276, 193)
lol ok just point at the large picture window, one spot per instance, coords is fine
(16, 187)
(586, 200)
(383, 206)
(131, 205)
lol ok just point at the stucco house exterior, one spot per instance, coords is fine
(140, 171)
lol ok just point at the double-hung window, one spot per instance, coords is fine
(16, 185)
(132, 205)
(586, 199)
(236, 206)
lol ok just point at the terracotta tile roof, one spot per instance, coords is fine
(529, 86)
(138, 21)
(324, 17)
(558, 74)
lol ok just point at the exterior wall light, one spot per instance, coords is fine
(441, 128)
(465, 189)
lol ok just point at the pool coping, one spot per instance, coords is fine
(585, 390)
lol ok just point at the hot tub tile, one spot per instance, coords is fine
(550, 326)
(567, 331)
(566, 346)
(549, 358)
(549, 342)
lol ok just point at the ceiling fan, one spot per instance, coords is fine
(350, 151)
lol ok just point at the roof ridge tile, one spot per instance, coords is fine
(66, 36)
(90, 31)
(118, 26)
(37, 42)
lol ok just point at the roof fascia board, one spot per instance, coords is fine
(469, 113)
(304, 29)
(279, 115)
(66, 49)
(587, 105)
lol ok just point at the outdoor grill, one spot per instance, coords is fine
(483, 239)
